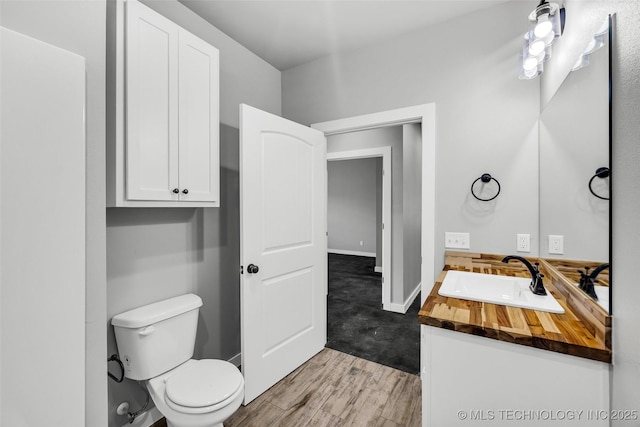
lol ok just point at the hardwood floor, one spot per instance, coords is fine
(336, 389)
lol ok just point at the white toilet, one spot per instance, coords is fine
(155, 344)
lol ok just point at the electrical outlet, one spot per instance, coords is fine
(556, 244)
(523, 243)
(361, 243)
(457, 240)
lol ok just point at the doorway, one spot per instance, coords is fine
(425, 115)
(385, 154)
(366, 336)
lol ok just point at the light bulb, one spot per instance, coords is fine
(543, 28)
(530, 64)
(537, 48)
(531, 73)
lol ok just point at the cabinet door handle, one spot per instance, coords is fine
(185, 191)
(176, 191)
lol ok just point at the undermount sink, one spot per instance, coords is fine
(603, 296)
(503, 290)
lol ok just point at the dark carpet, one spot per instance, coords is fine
(356, 322)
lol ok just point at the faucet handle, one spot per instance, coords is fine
(536, 267)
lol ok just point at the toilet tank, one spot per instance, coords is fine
(155, 338)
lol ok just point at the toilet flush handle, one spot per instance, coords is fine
(146, 331)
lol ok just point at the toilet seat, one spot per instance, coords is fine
(200, 386)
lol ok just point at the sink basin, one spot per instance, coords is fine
(603, 296)
(503, 290)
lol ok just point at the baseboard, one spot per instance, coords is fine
(345, 252)
(402, 308)
(377, 269)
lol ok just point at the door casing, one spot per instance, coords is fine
(424, 114)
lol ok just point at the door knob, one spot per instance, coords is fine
(185, 191)
(252, 268)
(176, 191)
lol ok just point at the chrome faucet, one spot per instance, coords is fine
(536, 285)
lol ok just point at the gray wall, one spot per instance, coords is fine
(159, 253)
(626, 208)
(583, 17)
(486, 117)
(352, 205)
(79, 27)
(574, 142)
(411, 206)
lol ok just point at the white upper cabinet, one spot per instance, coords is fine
(165, 145)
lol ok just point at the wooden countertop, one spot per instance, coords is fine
(574, 332)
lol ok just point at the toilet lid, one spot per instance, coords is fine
(204, 383)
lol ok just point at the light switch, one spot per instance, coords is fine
(457, 240)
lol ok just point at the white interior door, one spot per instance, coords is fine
(283, 247)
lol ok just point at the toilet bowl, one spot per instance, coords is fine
(198, 393)
(156, 343)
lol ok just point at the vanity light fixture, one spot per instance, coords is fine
(595, 44)
(546, 24)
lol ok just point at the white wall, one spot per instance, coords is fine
(486, 117)
(352, 205)
(79, 27)
(582, 18)
(157, 253)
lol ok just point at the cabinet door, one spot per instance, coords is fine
(198, 87)
(152, 110)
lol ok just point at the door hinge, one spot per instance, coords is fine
(241, 269)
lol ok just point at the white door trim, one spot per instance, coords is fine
(426, 115)
(385, 153)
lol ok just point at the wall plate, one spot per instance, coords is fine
(457, 240)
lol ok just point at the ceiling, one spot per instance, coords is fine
(293, 32)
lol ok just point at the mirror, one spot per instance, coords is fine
(574, 165)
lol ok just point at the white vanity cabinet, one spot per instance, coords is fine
(164, 146)
(471, 380)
